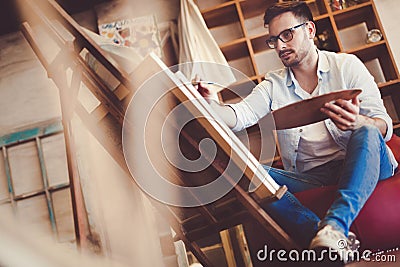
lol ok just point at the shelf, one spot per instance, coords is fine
(259, 44)
(261, 77)
(349, 9)
(211, 5)
(233, 43)
(363, 13)
(325, 38)
(244, 82)
(321, 17)
(396, 125)
(389, 87)
(364, 48)
(255, 8)
(391, 98)
(235, 51)
(378, 51)
(317, 7)
(243, 65)
(228, 33)
(389, 83)
(221, 16)
(240, 23)
(238, 91)
(389, 102)
(253, 15)
(255, 25)
(266, 59)
(238, 57)
(260, 35)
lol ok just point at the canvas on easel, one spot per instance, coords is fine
(168, 104)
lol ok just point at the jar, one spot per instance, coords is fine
(374, 36)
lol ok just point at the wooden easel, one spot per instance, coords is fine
(106, 120)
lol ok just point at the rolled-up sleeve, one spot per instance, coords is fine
(255, 106)
(372, 104)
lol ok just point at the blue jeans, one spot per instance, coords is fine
(366, 162)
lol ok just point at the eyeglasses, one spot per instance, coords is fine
(285, 36)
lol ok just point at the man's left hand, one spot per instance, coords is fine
(345, 113)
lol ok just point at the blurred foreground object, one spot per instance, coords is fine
(21, 246)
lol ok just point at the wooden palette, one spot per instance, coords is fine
(308, 111)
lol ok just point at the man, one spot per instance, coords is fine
(347, 150)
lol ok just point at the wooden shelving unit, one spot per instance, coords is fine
(237, 25)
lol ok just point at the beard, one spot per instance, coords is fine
(289, 57)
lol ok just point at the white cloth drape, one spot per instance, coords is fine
(197, 45)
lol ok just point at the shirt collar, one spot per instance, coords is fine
(289, 78)
(323, 66)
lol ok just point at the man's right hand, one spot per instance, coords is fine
(205, 90)
(211, 96)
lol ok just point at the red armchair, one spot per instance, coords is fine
(378, 224)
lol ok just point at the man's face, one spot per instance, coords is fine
(294, 51)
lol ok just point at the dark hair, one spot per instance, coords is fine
(299, 9)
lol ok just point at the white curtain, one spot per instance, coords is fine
(197, 45)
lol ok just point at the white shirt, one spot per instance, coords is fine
(316, 145)
(280, 88)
